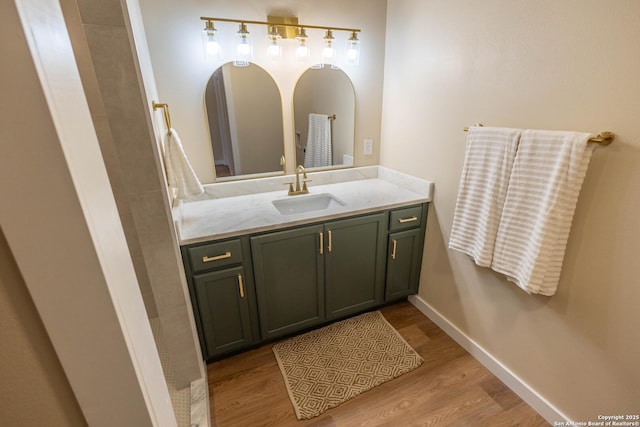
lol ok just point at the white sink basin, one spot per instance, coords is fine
(306, 203)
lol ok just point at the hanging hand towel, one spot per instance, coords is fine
(543, 192)
(483, 187)
(180, 175)
(318, 152)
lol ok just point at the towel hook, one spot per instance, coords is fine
(165, 111)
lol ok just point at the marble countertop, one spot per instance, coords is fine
(230, 215)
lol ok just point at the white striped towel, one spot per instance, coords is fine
(180, 175)
(547, 175)
(318, 152)
(483, 187)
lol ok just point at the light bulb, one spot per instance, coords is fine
(243, 48)
(302, 52)
(213, 48)
(274, 51)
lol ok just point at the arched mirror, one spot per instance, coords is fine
(244, 110)
(324, 114)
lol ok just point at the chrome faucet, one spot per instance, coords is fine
(298, 190)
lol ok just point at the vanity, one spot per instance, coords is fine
(262, 265)
(268, 255)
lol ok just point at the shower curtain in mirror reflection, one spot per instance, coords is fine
(180, 174)
(318, 152)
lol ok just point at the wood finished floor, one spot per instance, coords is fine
(449, 388)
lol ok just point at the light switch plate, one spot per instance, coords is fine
(368, 147)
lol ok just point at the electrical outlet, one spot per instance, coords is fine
(368, 147)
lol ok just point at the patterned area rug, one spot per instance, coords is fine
(328, 366)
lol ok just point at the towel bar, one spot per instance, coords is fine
(603, 138)
(165, 111)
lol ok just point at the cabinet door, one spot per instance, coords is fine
(354, 264)
(403, 264)
(224, 310)
(289, 280)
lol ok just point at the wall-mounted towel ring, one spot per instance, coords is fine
(603, 138)
(165, 111)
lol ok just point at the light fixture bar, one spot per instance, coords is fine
(245, 21)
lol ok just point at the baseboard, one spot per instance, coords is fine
(515, 383)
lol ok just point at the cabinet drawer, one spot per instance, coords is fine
(215, 255)
(406, 218)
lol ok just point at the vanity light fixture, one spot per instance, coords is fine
(243, 48)
(274, 51)
(278, 28)
(302, 51)
(353, 49)
(212, 48)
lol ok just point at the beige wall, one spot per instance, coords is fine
(570, 65)
(35, 391)
(173, 32)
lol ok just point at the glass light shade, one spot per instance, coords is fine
(328, 52)
(210, 43)
(302, 51)
(243, 48)
(274, 51)
(353, 49)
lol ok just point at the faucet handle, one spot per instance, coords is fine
(304, 184)
(290, 184)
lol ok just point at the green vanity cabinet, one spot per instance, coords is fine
(289, 277)
(354, 264)
(404, 251)
(262, 286)
(222, 294)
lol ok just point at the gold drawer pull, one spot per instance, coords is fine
(410, 219)
(395, 247)
(321, 243)
(216, 258)
(240, 285)
(329, 241)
